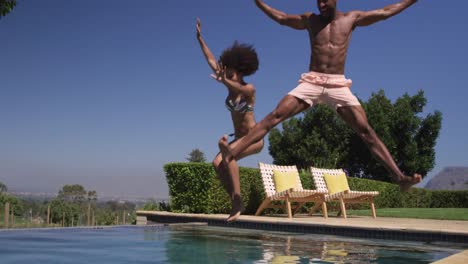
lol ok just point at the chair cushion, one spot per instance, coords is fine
(285, 259)
(284, 180)
(336, 183)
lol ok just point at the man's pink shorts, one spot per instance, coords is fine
(331, 89)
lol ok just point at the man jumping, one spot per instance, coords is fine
(330, 33)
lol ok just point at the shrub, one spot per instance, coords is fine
(194, 188)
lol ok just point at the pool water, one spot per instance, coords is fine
(205, 244)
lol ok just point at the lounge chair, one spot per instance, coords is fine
(346, 196)
(295, 192)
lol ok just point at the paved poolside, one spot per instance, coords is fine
(354, 226)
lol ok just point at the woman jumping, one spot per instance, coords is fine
(234, 64)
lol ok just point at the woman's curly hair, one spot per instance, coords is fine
(240, 57)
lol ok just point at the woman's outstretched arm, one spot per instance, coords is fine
(206, 51)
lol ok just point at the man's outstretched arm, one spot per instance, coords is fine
(366, 18)
(293, 21)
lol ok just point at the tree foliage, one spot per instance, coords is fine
(152, 205)
(71, 203)
(16, 204)
(108, 213)
(320, 138)
(62, 210)
(92, 196)
(3, 188)
(13, 200)
(6, 6)
(196, 155)
(73, 193)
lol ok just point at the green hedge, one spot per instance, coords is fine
(194, 188)
(391, 197)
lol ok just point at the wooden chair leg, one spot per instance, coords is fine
(343, 208)
(324, 210)
(373, 210)
(298, 207)
(263, 205)
(288, 206)
(315, 208)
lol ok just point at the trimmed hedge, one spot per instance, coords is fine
(194, 188)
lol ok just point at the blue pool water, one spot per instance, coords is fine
(204, 244)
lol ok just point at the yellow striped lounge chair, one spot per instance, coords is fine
(294, 194)
(346, 196)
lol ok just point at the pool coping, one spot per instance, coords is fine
(359, 227)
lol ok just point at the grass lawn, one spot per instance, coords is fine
(423, 213)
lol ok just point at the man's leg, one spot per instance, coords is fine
(355, 116)
(289, 106)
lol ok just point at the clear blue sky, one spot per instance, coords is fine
(104, 93)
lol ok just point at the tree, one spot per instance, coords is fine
(70, 204)
(3, 188)
(113, 210)
(105, 217)
(196, 155)
(64, 210)
(313, 139)
(92, 199)
(92, 196)
(151, 206)
(73, 193)
(322, 139)
(6, 6)
(14, 202)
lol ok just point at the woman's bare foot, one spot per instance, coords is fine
(406, 182)
(223, 144)
(237, 209)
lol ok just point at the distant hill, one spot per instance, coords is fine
(450, 178)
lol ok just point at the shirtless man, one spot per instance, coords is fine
(330, 33)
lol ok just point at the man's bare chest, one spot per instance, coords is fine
(337, 31)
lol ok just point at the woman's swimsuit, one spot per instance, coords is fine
(239, 106)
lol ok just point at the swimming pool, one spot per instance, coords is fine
(205, 244)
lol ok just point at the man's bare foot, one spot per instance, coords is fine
(225, 150)
(406, 182)
(237, 209)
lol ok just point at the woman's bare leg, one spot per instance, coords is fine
(288, 106)
(233, 175)
(223, 175)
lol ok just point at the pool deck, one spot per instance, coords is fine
(355, 226)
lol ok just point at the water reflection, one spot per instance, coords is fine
(291, 249)
(196, 245)
(220, 245)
